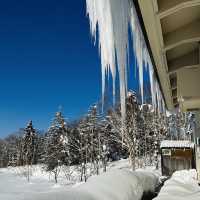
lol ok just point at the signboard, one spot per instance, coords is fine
(166, 152)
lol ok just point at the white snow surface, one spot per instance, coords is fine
(183, 185)
(176, 144)
(118, 183)
(14, 185)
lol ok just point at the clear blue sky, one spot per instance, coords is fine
(47, 59)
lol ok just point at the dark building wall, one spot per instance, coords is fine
(174, 159)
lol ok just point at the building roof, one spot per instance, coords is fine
(176, 144)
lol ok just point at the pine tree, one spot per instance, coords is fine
(3, 154)
(83, 148)
(40, 148)
(91, 143)
(29, 144)
(57, 147)
(94, 138)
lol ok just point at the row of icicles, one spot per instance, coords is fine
(114, 18)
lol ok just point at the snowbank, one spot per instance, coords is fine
(113, 185)
(183, 185)
(118, 183)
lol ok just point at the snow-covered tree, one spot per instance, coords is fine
(40, 154)
(92, 143)
(57, 146)
(29, 144)
(94, 136)
(177, 125)
(3, 154)
(14, 149)
(83, 148)
(147, 113)
(128, 138)
(89, 142)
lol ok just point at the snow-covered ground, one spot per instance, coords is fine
(15, 187)
(183, 185)
(118, 183)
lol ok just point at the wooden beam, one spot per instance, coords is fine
(191, 60)
(186, 34)
(166, 10)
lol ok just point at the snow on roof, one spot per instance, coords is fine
(176, 143)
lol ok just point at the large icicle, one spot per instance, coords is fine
(100, 13)
(113, 18)
(152, 84)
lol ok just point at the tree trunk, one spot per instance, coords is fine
(132, 157)
(56, 176)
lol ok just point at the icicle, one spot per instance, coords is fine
(140, 48)
(152, 83)
(100, 13)
(112, 18)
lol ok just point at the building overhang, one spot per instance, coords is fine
(173, 32)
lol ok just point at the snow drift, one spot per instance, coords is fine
(114, 185)
(183, 185)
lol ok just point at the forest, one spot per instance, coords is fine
(96, 139)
